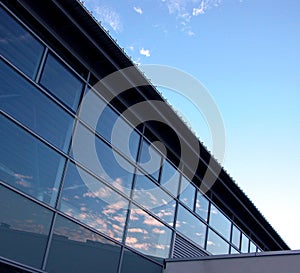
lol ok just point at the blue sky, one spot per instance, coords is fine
(247, 54)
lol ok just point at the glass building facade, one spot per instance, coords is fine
(59, 211)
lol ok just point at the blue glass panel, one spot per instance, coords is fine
(252, 247)
(148, 235)
(60, 81)
(35, 110)
(93, 203)
(202, 205)
(220, 222)
(150, 159)
(187, 193)
(97, 156)
(140, 264)
(215, 244)
(75, 249)
(105, 121)
(28, 164)
(170, 178)
(24, 228)
(18, 45)
(244, 244)
(233, 250)
(190, 226)
(236, 236)
(153, 198)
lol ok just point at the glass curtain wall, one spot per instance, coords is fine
(56, 199)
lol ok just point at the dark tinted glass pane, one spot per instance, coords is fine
(31, 107)
(18, 45)
(5, 268)
(220, 222)
(244, 244)
(236, 236)
(148, 235)
(215, 244)
(103, 119)
(28, 164)
(133, 263)
(170, 178)
(75, 249)
(150, 159)
(24, 228)
(60, 81)
(102, 160)
(202, 204)
(190, 226)
(93, 203)
(187, 193)
(153, 198)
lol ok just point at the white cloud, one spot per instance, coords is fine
(131, 48)
(205, 5)
(191, 33)
(200, 10)
(109, 16)
(145, 52)
(138, 10)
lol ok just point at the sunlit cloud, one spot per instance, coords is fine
(138, 10)
(137, 230)
(131, 240)
(158, 231)
(145, 52)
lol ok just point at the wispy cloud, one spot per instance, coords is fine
(138, 10)
(185, 10)
(109, 16)
(145, 52)
(190, 33)
(205, 5)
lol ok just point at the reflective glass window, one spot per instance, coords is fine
(35, 110)
(75, 249)
(170, 178)
(244, 243)
(61, 82)
(252, 247)
(187, 193)
(150, 159)
(236, 236)
(190, 226)
(24, 228)
(219, 222)
(202, 205)
(93, 203)
(97, 156)
(18, 45)
(233, 250)
(148, 235)
(134, 263)
(105, 121)
(28, 164)
(215, 244)
(153, 198)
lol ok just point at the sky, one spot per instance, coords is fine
(247, 55)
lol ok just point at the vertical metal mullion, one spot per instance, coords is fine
(45, 259)
(41, 65)
(120, 260)
(207, 226)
